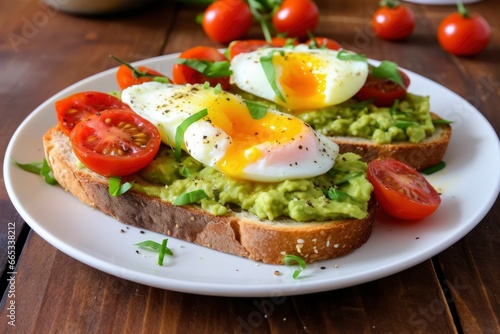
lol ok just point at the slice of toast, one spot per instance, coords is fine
(424, 154)
(239, 233)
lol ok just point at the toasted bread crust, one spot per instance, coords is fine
(425, 154)
(236, 233)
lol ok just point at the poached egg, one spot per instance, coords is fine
(273, 148)
(307, 79)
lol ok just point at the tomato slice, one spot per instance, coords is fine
(401, 191)
(383, 91)
(183, 74)
(115, 142)
(126, 78)
(74, 108)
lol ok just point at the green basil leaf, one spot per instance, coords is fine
(388, 70)
(434, 169)
(348, 55)
(210, 69)
(290, 259)
(190, 197)
(267, 65)
(46, 173)
(257, 110)
(116, 188)
(181, 129)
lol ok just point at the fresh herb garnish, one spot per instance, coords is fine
(186, 172)
(116, 188)
(404, 124)
(138, 74)
(347, 178)
(338, 195)
(257, 110)
(441, 121)
(153, 246)
(348, 55)
(394, 108)
(190, 197)
(361, 104)
(388, 70)
(41, 168)
(434, 169)
(181, 129)
(267, 64)
(289, 259)
(208, 68)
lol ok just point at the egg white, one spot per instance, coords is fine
(308, 79)
(306, 154)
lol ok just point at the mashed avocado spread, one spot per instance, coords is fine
(341, 193)
(408, 121)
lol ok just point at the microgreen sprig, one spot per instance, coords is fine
(42, 168)
(116, 188)
(181, 129)
(209, 69)
(290, 259)
(138, 74)
(266, 62)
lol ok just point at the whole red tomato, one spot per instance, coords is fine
(227, 20)
(393, 21)
(462, 34)
(296, 17)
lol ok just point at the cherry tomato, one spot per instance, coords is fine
(183, 74)
(296, 18)
(393, 21)
(115, 142)
(126, 78)
(227, 20)
(74, 108)
(383, 91)
(323, 42)
(462, 34)
(401, 191)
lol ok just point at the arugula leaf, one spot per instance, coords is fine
(388, 70)
(288, 259)
(257, 110)
(116, 188)
(348, 55)
(190, 197)
(181, 129)
(208, 68)
(41, 168)
(267, 64)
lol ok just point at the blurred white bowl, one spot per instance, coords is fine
(96, 7)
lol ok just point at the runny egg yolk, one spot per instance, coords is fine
(234, 118)
(302, 81)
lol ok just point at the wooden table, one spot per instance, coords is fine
(43, 51)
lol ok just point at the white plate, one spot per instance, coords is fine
(469, 184)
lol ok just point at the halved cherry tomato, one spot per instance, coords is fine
(296, 18)
(323, 42)
(74, 108)
(383, 91)
(463, 34)
(115, 142)
(227, 20)
(393, 21)
(126, 78)
(401, 191)
(183, 74)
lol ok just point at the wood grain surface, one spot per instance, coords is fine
(42, 51)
